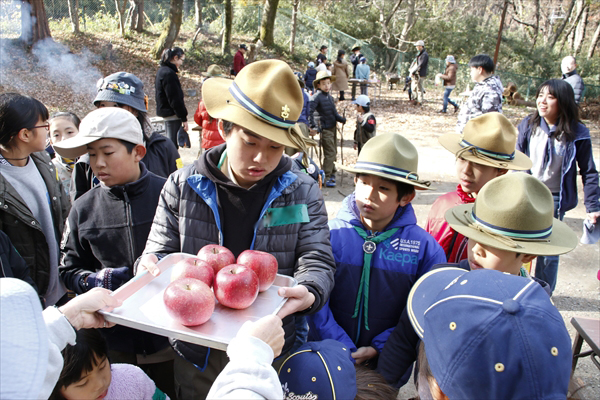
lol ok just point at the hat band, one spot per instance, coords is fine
(119, 87)
(258, 111)
(513, 233)
(386, 169)
(489, 153)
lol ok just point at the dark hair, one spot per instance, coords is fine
(484, 61)
(366, 108)
(340, 54)
(128, 145)
(68, 115)
(371, 385)
(91, 348)
(568, 111)
(227, 127)
(169, 54)
(402, 188)
(18, 112)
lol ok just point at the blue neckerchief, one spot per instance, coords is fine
(549, 149)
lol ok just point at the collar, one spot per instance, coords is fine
(131, 189)
(464, 196)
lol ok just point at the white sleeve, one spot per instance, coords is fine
(249, 374)
(60, 333)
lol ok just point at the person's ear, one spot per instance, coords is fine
(139, 152)
(25, 135)
(501, 171)
(407, 198)
(220, 128)
(528, 258)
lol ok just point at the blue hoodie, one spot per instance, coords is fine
(396, 265)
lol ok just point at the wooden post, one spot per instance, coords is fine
(500, 32)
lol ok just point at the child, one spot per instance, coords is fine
(88, 374)
(63, 125)
(486, 95)
(245, 195)
(322, 102)
(34, 205)
(378, 248)
(362, 72)
(127, 197)
(512, 342)
(365, 122)
(449, 78)
(309, 77)
(126, 91)
(210, 133)
(485, 151)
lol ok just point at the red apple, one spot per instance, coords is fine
(263, 264)
(193, 267)
(236, 286)
(189, 301)
(217, 256)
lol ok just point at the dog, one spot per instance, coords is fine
(407, 86)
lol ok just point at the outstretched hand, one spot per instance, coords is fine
(81, 311)
(148, 263)
(269, 329)
(299, 299)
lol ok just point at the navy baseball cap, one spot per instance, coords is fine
(122, 88)
(320, 370)
(489, 334)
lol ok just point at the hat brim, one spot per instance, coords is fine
(356, 48)
(212, 76)
(451, 142)
(220, 104)
(562, 239)
(383, 175)
(74, 147)
(129, 100)
(332, 77)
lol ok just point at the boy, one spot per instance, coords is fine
(108, 226)
(322, 102)
(486, 95)
(244, 195)
(378, 248)
(511, 344)
(485, 151)
(510, 223)
(309, 77)
(365, 122)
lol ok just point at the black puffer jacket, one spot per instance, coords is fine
(188, 218)
(169, 95)
(324, 105)
(12, 264)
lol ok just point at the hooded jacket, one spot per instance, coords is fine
(396, 265)
(486, 97)
(576, 82)
(210, 130)
(19, 224)
(12, 264)
(309, 77)
(169, 95)
(577, 152)
(322, 103)
(449, 76)
(292, 226)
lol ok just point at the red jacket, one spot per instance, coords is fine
(453, 243)
(210, 132)
(238, 62)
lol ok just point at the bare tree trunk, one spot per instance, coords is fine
(295, 5)
(34, 22)
(228, 27)
(74, 14)
(121, 12)
(137, 15)
(594, 42)
(561, 28)
(409, 22)
(580, 31)
(267, 25)
(171, 30)
(537, 23)
(198, 14)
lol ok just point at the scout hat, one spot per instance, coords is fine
(264, 97)
(323, 75)
(389, 156)
(356, 47)
(514, 212)
(319, 370)
(419, 43)
(103, 123)
(213, 70)
(122, 88)
(491, 335)
(489, 139)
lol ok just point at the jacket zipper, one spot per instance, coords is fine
(129, 225)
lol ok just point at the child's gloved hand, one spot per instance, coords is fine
(108, 278)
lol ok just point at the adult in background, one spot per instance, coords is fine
(418, 72)
(169, 95)
(449, 77)
(355, 59)
(568, 67)
(556, 140)
(239, 61)
(340, 70)
(322, 56)
(362, 72)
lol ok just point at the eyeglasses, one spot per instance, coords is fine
(47, 126)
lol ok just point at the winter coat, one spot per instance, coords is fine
(486, 97)
(324, 105)
(169, 95)
(576, 82)
(24, 231)
(309, 78)
(422, 63)
(453, 243)
(362, 71)
(577, 152)
(210, 130)
(305, 114)
(449, 76)
(188, 218)
(340, 71)
(238, 62)
(12, 264)
(365, 130)
(396, 265)
(355, 60)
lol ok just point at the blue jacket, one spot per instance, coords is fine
(579, 151)
(309, 77)
(305, 114)
(362, 71)
(396, 265)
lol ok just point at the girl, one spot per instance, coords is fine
(556, 140)
(88, 374)
(340, 70)
(33, 205)
(169, 95)
(63, 125)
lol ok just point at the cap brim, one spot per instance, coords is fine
(424, 292)
(384, 175)
(74, 147)
(451, 142)
(561, 240)
(219, 103)
(128, 100)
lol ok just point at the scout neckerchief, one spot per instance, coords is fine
(369, 247)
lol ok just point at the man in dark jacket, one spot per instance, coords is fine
(238, 60)
(418, 71)
(569, 70)
(245, 195)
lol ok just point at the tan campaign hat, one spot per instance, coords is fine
(514, 212)
(103, 123)
(489, 139)
(323, 75)
(213, 70)
(389, 156)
